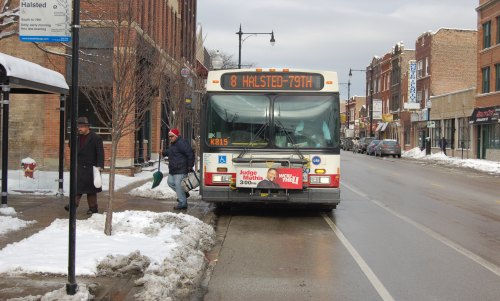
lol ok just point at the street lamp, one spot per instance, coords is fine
(240, 34)
(371, 95)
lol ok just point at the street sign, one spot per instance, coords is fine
(431, 124)
(45, 21)
(185, 72)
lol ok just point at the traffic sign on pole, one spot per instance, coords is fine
(45, 21)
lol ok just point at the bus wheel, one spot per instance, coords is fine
(326, 208)
(222, 206)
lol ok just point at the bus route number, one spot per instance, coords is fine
(219, 141)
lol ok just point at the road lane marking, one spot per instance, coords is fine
(376, 283)
(437, 185)
(472, 256)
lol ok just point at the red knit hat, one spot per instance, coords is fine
(175, 132)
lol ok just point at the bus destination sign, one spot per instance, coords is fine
(272, 81)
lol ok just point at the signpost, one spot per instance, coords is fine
(45, 20)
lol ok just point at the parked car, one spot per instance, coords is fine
(388, 147)
(370, 150)
(348, 143)
(363, 144)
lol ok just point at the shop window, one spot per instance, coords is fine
(449, 132)
(487, 34)
(485, 80)
(407, 135)
(463, 133)
(493, 138)
(419, 69)
(436, 134)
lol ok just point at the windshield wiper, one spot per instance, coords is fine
(289, 137)
(257, 136)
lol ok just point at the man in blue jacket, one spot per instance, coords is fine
(180, 163)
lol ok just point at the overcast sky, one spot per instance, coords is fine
(327, 34)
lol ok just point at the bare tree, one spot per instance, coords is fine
(9, 17)
(228, 62)
(135, 72)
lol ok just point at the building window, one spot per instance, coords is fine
(487, 34)
(449, 132)
(497, 77)
(436, 134)
(426, 66)
(498, 30)
(486, 79)
(463, 133)
(419, 69)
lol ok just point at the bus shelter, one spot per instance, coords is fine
(18, 76)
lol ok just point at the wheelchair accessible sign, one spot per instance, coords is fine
(45, 20)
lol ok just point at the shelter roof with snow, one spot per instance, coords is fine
(25, 77)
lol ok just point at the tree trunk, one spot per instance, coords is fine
(109, 212)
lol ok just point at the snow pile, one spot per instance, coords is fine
(162, 191)
(8, 211)
(167, 249)
(8, 221)
(441, 158)
(82, 294)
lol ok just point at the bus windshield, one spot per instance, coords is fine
(238, 120)
(306, 121)
(300, 121)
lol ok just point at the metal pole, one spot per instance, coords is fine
(239, 33)
(371, 102)
(62, 126)
(71, 286)
(5, 142)
(348, 100)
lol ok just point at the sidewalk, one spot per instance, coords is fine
(45, 209)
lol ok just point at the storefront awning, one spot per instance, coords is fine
(384, 126)
(485, 115)
(379, 126)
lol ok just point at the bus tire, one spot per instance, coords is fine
(327, 208)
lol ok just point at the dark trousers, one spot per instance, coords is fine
(91, 200)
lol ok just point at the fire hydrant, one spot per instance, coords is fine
(28, 166)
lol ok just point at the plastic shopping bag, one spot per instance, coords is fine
(191, 181)
(97, 177)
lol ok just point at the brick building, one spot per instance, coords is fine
(355, 108)
(446, 62)
(166, 28)
(390, 87)
(485, 117)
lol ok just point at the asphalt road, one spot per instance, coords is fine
(404, 231)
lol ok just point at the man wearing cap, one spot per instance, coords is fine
(180, 162)
(90, 154)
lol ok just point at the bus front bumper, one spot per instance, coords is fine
(317, 196)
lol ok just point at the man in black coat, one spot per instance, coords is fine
(180, 163)
(90, 154)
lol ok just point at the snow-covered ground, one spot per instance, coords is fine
(45, 182)
(9, 222)
(167, 249)
(162, 191)
(440, 158)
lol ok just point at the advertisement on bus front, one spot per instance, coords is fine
(269, 178)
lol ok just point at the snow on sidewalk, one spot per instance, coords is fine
(45, 182)
(9, 222)
(167, 247)
(440, 158)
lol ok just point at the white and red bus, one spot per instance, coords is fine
(271, 136)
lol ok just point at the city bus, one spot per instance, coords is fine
(271, 136)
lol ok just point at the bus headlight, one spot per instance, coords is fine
(218, 178)
(319, 180)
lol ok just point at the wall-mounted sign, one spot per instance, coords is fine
(412, 82)
(485, 115)
(45, 21)
(377, 109)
